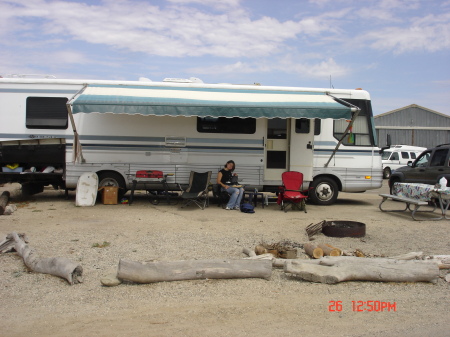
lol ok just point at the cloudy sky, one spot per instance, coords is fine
(398, 50)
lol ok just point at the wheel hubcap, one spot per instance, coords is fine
(324, 192)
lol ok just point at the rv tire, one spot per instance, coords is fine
(112, 179)
(324, 191)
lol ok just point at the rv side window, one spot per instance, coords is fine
(46, 113)
(413, 155)
(359, 134)
(317, 126)
(362, 132)
(302, 125)
(226, 125)
(405, 155)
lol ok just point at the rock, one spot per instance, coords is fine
(110, 281)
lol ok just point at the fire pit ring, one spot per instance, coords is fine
(342, 229)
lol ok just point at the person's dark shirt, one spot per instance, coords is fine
(226, 176)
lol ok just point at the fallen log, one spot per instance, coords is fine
(4, 199)
(329, 250)
(313, 250)
(57, 266)
(160, 271)
(7, 245)
(347, 268)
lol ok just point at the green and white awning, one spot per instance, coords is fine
(207, 102)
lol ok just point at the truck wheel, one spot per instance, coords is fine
(324, 191)
(112, 179)
(386, 173)
(391, 184)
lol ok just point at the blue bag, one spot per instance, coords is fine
(247, 208)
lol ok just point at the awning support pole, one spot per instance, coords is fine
(77, 154)
(355, 114)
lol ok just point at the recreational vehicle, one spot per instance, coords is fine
(52, 131)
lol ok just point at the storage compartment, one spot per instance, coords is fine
(149, 174)
(110, 195)
(40, 161)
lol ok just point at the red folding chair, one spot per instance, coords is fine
(290, 194)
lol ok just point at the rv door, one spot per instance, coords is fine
(301, 145)
(276, 148)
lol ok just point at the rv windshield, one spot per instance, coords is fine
(386, 155)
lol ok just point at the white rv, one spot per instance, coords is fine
(68, 127)
(397, 156)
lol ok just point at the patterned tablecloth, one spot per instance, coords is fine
(423, 192)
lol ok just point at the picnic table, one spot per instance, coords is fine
(419, 195)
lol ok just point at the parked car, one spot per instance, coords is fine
(428, 168)
(398, 156)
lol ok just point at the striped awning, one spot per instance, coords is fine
(207, 102)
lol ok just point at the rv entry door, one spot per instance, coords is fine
(276, 148)
(302, 147)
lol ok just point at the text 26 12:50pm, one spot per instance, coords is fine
(361, 306)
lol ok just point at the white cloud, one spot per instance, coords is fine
(430, 33)
(172, 31)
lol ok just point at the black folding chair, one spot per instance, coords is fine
(198, 190)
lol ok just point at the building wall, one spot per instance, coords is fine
(413, 125)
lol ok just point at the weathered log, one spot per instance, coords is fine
(443, 261)
(4, 199)
(7, 245)
(57, 266)
(329, 250)
(407, 256)
(313, 250)
(346, 268)
(160, 271)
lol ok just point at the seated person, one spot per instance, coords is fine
(224, 179)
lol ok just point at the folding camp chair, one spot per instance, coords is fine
(197, 191)
(290, 193)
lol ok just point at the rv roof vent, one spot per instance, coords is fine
(29, 75)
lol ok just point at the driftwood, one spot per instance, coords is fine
(7, 245)
(193, 270)
(4, 199)
(346, 268)
(57, 266)
(443, 261)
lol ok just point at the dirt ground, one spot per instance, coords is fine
(98, 237)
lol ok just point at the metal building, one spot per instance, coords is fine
(413, 125)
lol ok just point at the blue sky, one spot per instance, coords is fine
(398, 50)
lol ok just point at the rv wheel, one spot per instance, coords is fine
(324, 191)
(112, 179)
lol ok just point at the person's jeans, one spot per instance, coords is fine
(236, 195)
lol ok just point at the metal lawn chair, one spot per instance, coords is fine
(198, 190)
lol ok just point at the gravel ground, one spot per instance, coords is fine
(41, 305)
